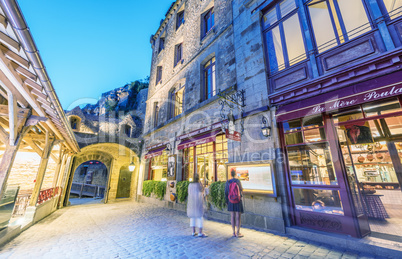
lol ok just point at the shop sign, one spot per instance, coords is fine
(236, 136)
(200, 131)
(343, 102)
(255, 178)
(196, 142)
(151, 155)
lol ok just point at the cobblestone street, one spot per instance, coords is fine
(135, 230)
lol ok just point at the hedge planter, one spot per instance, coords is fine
(158, 188)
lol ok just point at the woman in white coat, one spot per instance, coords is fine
(195, 206)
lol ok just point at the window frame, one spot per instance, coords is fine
(206, 16)
(178, 54)
(179, 19)
(205, 68)
(279, 23)
(159, 70)
(161, 44)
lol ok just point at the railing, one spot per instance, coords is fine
(47, 194)
(21, 203)
(89, 190)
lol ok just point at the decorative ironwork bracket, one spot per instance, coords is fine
(231, 98)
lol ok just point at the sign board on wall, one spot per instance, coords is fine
(255, 178)
(236, 136)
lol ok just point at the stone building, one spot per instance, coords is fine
(204, 53)
(320, 81)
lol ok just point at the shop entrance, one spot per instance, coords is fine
(370, 137)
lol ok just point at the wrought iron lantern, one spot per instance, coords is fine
(266, 129)
(131, 166)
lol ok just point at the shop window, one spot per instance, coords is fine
(307, 130)
(283, 36)
(208, 22)
(209, 79)
(156, 114)
(159, 167)
(337, 21)
(179, 19)
(324, 201)
(158, 75)
(178, 54)
(393, 7)
(188, 164)
(382, 108)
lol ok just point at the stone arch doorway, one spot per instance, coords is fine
(89, 180)
(116, 158)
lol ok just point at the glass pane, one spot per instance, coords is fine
(394, 7)
(275, 51)
(375, 129)
(287, 6)
(323, 30)
(354, 114)
(294, 40)
(381, 108)
(324, 201)
(291, 126)
(311, 165)
(312, 122)
(394, 125)
(354, 17)
(270, 18)
(314, 135)
(293, 138)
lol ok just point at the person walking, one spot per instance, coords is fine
(195, 206)
(233, 194)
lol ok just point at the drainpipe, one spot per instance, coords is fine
(16, 19)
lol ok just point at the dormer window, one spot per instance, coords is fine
(75, 123)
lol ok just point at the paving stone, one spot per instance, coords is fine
(137, 230)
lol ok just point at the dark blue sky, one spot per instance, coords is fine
(92, 46)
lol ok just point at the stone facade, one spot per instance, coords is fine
(236, 44)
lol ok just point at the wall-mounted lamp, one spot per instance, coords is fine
(131, 166)
(266, 129)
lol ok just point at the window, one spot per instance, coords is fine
(178, 53)
(175, 102)
(75, 123)
(209, 79)
(393, 7)
(283, 36)
(156, 114)
(127, 130)
(158, 75)
(161, 44)
(208, 21)
(180, 19)
(337, 21)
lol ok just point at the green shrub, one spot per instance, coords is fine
(182, 190)
(160, 189)
(148, 188)
(217, 194)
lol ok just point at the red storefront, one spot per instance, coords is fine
(343, 154)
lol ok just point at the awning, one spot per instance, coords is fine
(155, 152)
(198, 140)
(363, 92)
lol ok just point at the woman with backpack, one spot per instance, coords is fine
(233, 194)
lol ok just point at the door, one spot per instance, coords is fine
(124, 185)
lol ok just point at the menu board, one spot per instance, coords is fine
(255, 178)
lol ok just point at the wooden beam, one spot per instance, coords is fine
(3, 20)
(20, 111)
(9, 41)
(42, 169)
(38, 149)
(33, 84)
(14, 56)
(22, 71)
(35, 137)
(4, 136)
(12, 118)
(6, 84)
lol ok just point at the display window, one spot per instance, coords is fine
(208, 160)
(348, 164)
(158, 167)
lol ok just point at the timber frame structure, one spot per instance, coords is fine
(31, 116)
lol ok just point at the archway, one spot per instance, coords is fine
(121, 183)
(89, 181)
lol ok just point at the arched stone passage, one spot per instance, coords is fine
(115, 157)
